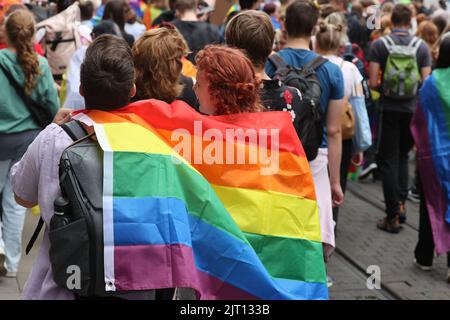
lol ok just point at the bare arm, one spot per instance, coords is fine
(335, 108)
(425, 72)
(374, 69)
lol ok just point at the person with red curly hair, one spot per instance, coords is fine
(226, 82)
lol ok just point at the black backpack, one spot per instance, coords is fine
(76, 228)
(311, 114)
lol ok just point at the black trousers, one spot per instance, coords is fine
(395, 142)
(346, 158)
(424, 251)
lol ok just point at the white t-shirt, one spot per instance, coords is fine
(352, 76)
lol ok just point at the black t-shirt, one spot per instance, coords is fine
(128, 38)
(188, 94)
(379, 53)
(197, 34)
(166, 16)
(276, 96)
(356, 30)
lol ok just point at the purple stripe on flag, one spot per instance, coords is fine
(150, 266)
(434, 194)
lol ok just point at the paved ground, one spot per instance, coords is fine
(365, 245)
(10, 288)
(360, 244)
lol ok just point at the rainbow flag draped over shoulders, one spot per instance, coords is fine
(179, 211)
(431, 132)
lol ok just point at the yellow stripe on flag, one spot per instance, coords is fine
(271, 213)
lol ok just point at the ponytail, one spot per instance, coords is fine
(20, 30)
(329, 36)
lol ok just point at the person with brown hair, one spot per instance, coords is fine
(253, 32)
(428, 32)
(116, 10)
(226, 82)
(158, 63)
(24, 77)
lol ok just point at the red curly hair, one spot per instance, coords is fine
(233, 83)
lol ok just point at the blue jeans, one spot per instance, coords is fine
(12, 220)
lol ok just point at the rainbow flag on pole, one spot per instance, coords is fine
(179, 211)
(431, 131)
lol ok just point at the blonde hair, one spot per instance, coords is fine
(329, 36)
(20, 29)
(157, 60)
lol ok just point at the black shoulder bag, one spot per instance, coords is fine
(41, 115)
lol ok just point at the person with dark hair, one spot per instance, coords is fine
(249, 4)
(274, 13)
(440, 22)
(395, 140)
(301, 18)
(434, 231)
(107, 83)
(166, 16)
(73, 99)
(86, 13)
(62, 5)
(115, 10)
(23, 76)
(197, 33)
(132, 25)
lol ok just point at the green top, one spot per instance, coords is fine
(14, 115)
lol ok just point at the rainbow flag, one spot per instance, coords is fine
(177, 218)
(431, 132)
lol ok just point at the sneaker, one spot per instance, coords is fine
(413, 195)
(367, 171)
(329, 281)
(3, 270)
(402, 213)
(423, 267)
(391, 226)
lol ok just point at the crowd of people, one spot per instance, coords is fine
(365, 64)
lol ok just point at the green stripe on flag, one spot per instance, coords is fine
(286, 258)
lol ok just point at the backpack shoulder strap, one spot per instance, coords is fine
(34, 236)
(348, 49)
(388, 42)
(277, 61)
(315, 63)
(415, 43)
(76, 132)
